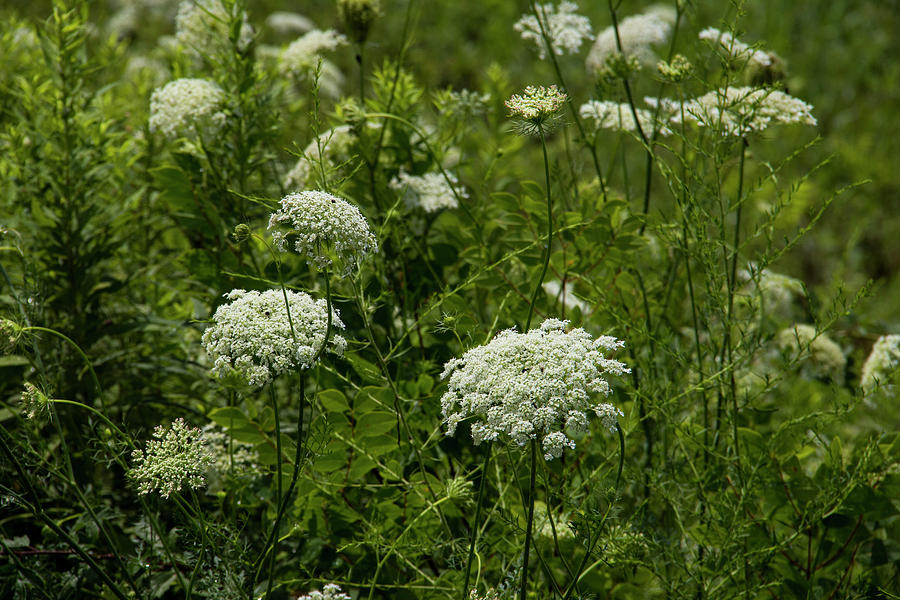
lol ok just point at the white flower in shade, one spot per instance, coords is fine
(565, 29)
(178, 457)
(618, 117)
(638, 34)
(736, 49)
(737, 111)
(253, 336)
(532, 386)
(332, 147)
(430, 192)
(289, 22)
(881, 365)
(777, 291)
(185, 106)
(566, 296)
(228, 455)
(317, 221)
(301, 55)
(203, 26)
(330, 591)
(819, 356)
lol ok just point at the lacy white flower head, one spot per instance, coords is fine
(252, 334)
(532, 386)
(317, 221)
(617, 116)
(186, 106)
(202, 26)
(284, 22)
(738, 111)
(228, 454)
(34, 401)
(735, 49)
(882, 365)
(819, 356)
(330, 591)
(178, 457)
(430, 191)
(778, 292)
(301, 56)
(638, 34)
(331, 147)
(537, 108)
(565, 29)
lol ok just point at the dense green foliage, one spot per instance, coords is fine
(748, 275)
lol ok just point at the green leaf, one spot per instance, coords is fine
(333, 400)
(375, 423)
(13, 360)
(367, 371)
(229, 417)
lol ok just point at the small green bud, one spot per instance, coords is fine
(241, 233)
(358, 16)
(675, 71)
(621, 66)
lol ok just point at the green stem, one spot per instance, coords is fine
(537, 288)
(530, 525)
(77, 349)
(278, 496)
(477, 522)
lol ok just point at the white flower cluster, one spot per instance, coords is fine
(430, 191)
(617, 116)
(284, 22)
(776, 290)
(565, 29)
(317, 220)
(34, 401)
(536, 103)
(737, 111)
(330, 591)
(177, 457)
(532, 386)
(736, 49)
(882, 363)
(184, 106)
(202, 26)
(819, 355)
(334, 145)
(638, 33)
(302, 54)
(227, 453)
(252, 334)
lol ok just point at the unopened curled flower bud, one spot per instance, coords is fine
(241, 233)
(34, 401)
(10, 332)
(358, 16)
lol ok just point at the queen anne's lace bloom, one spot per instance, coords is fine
(532, 386)
(617, 116)
(882, 363)
(819, 355)
(736, 49)
(430, 191)
(536, 103)
(202, 26)
(565, 29)
(330, 591)
(177, 457)
(318, 220)
(303, 53)
(184, 106)
(736, 111)
(638, 33)
(252, 334)
(334, 146)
